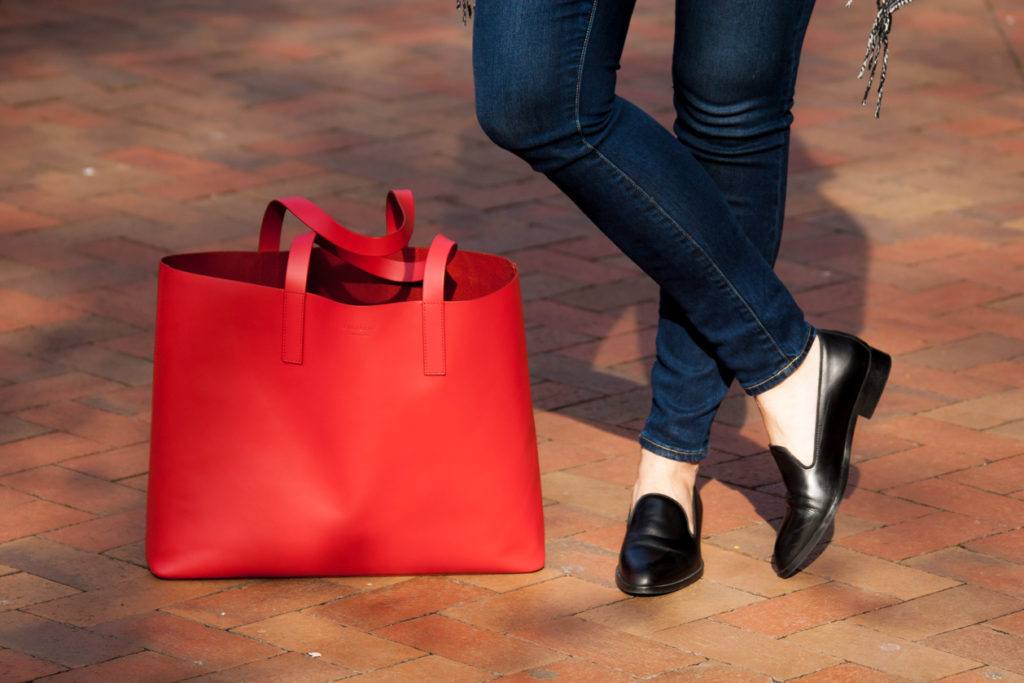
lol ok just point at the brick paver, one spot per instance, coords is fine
(130, 130)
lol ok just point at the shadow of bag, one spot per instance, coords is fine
(352, 406)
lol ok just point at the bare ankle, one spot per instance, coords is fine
(673, 478)
(789, 409)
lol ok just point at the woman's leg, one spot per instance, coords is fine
(545, 76)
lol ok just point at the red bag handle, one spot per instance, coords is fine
(366, 253)
(435, 267)
(400, 218)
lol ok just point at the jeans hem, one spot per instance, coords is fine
(676, 454)
(777, 378)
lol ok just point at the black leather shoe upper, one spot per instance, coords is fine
(659, 554)
(852, 377)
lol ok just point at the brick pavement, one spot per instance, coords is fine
(130, 130)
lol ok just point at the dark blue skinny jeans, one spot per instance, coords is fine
(699, 211)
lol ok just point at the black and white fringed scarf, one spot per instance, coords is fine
(877, 52)
(878, 48)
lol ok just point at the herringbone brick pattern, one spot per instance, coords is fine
(130, 130)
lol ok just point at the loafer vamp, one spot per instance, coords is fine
(659, 554)
(649, 561)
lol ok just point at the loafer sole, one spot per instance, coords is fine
(660, 589)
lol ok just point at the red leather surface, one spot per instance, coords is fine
(336, 452)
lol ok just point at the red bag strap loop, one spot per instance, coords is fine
(400, 219)
(441, 252)
(293, 316)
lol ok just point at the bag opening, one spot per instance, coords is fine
(471, 275)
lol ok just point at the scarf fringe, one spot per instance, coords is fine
(467, 9)
(878, 49)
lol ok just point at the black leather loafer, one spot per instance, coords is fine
(852, 378)
(659, 554)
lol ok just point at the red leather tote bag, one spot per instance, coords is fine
(357, 407)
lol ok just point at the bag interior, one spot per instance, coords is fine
(470, 275)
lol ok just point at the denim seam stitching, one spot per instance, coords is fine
(579, 72)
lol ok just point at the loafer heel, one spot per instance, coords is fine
(879, 365)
